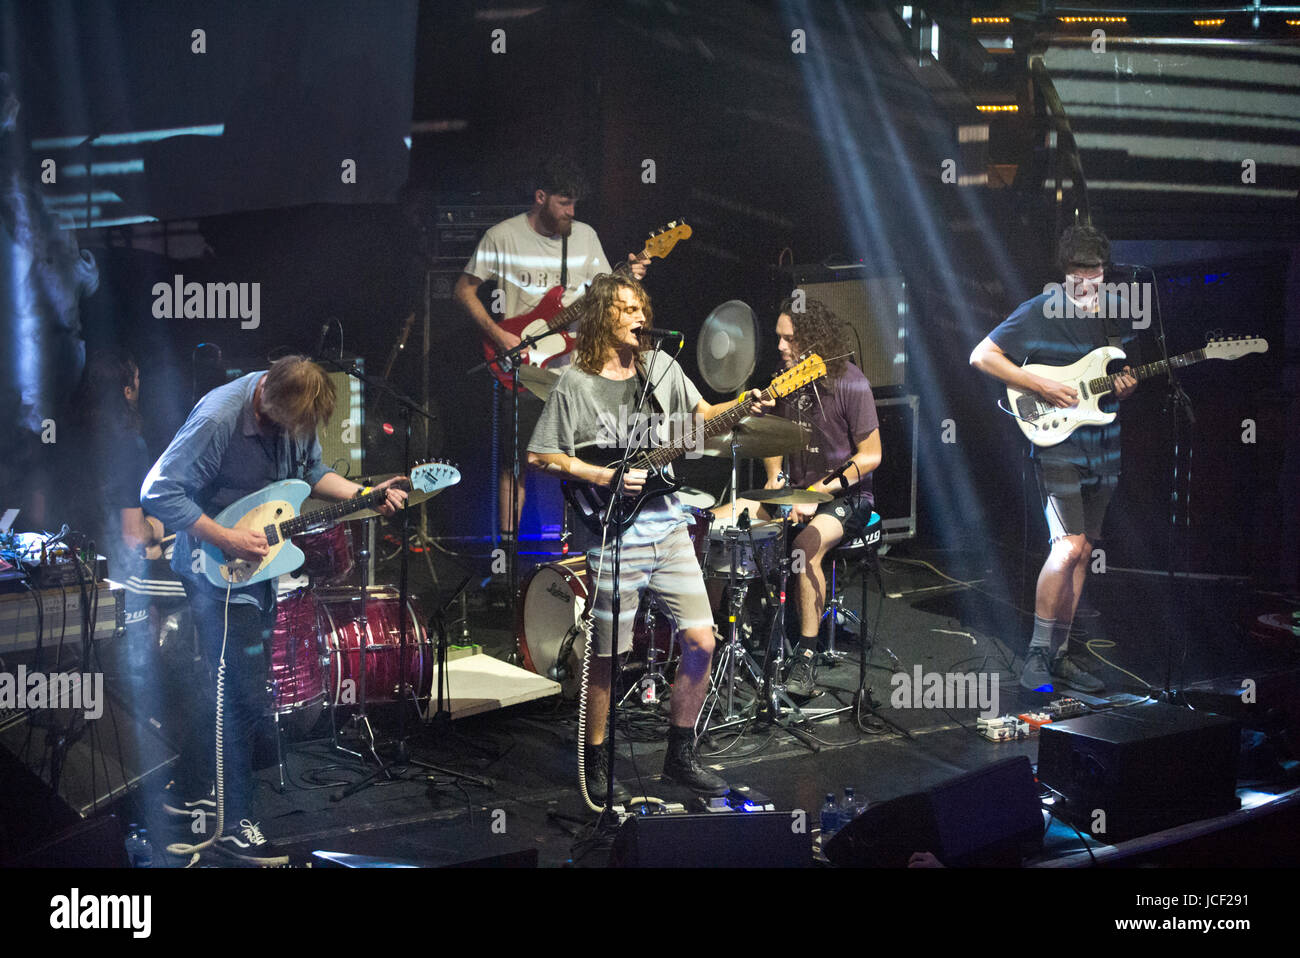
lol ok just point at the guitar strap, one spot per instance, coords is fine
(564, 261)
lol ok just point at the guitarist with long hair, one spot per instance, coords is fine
(239, 438)
(527, 256)
(1076, 477)
(600, 389)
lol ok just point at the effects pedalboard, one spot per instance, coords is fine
(1011, 728)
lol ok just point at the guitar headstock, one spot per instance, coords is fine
(809, 370)
(1234, 347)
(661, 243)
(433, 476)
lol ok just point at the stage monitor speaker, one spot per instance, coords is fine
(712, 840)
(876, 311)
(1143, 768)
(89, 763)
(97, 843)
(990, 817)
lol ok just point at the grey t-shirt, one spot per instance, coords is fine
(587, 410)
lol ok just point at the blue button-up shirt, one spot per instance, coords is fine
(218, 456)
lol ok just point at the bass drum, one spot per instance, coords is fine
(552, 600)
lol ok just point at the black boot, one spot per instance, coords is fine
(595, 763)
(682, 765)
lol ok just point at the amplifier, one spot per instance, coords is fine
(22, 613)
(1135, 770)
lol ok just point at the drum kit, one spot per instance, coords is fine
(730, 549)
(337, 641)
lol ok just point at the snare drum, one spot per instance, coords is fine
(730, 546)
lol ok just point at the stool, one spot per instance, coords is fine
(863, 550)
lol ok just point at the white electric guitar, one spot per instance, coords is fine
(1046, 425)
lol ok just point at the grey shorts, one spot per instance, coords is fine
(1074, 499)
(668, 568)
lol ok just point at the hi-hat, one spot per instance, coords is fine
(786, 497)
(760, 437)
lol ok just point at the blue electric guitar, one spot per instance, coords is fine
(275, 511)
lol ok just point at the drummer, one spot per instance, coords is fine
(839, 416)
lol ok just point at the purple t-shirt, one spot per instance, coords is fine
(841, 413)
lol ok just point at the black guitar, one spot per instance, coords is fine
(590, 501)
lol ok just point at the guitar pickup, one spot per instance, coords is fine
(272, 536)
(1083, 390)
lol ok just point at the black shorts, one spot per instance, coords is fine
(1074, 498)
(852, 512)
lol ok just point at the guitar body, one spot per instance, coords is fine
(1046, 425)
(262, 511)
(534, 323)
(590, 502)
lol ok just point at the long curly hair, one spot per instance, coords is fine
(598, 317)
(818, 330)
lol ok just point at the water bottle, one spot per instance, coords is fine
(139, 850)
(851, 807)
(830, 818)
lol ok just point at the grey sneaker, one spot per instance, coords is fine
(1036, 675)
(801, 680)
(1071, 675)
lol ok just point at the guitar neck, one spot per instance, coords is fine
(1104, 384)
(661, 456)
(339, 510)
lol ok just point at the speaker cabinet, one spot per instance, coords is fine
(713, 840)
(990, 817)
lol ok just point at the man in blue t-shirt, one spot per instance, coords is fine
(1077, 476)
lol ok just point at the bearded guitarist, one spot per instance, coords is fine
(1077, 476)
(602, 386)
(527, 255)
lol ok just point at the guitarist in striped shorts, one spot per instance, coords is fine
(601, 387)
(1077, 476)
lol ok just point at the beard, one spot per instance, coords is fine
(553, 225)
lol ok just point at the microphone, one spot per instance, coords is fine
(663, 335)
(1133, 267)
(839, 474)
(320, 343)
(742, 521)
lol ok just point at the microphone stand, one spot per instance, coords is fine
(613, 518)
(401, 754)
(1179, 405)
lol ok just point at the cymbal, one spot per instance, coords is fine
(786, 497)
(760, 437)
(537, 380)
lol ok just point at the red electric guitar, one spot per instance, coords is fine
(553, 317)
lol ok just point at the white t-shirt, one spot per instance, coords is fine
(526, 264)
